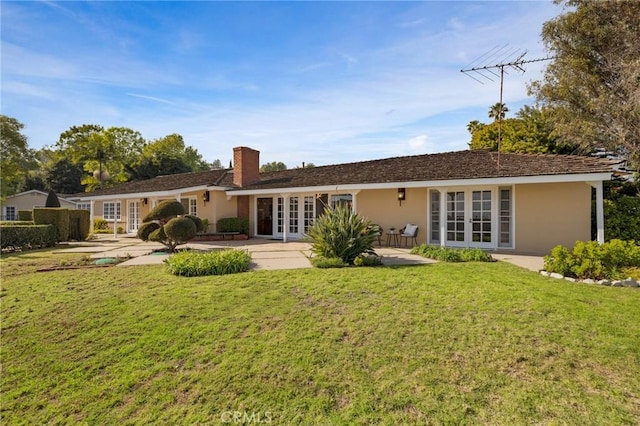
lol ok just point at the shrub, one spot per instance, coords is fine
(233, 224)
(147, 228)
(341, 233)
(53, 216)
(622, 218)
(167, 224)
(448, 254)
(368, 260)
(328, 262)
(559, 261)
(79, 223)
(52, 200)
(25, 215)
(100, 224)
(164, 211)
(22, 237)
(198, 222)
(16, 223)
(593, 260)
(190, 264)
(180, 230)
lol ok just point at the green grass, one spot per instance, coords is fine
(464, 343)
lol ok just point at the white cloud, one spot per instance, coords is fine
(418, 143)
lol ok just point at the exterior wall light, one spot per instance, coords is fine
(401, 195)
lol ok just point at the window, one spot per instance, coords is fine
(506, 222)
(293, 215)
(83, 206)
(280, 216)
(344, 199)
(10, 213)
(309, 212)
(190, 206)
(111, 210)
(434, 234)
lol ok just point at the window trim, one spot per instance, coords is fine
(117, 210)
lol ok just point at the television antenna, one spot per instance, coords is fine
(504, 57)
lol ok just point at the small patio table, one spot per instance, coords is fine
(395, 236)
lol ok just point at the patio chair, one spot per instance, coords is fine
(409, 232)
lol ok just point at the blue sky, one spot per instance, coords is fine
(321, 82)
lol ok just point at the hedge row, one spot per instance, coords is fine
(21, 237)
(233, 224)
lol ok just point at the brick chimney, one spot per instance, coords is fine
(246, 166)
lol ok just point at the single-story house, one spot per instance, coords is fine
(28, 200)
(477, 198)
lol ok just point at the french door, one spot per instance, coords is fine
(470, 218)
(291, 215)
(134, 216)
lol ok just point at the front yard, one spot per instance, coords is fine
(474, 343)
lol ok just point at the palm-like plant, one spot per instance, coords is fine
(341, 233)
(498, 111)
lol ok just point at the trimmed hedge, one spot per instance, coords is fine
(16, 223)
(233, 224)
(53, 216)
(180, 229)
(22, 237)
(25, 215)
(83, 217)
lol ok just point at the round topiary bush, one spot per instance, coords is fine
(180, 229)
(199, 223)
(159, 236)
(146, 229)
(165, 210)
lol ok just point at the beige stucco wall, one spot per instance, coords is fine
(223, 208)
(382, 207)
(551, 214)
(30, 200)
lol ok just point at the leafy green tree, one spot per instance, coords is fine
(159, 165)
(16, 158)
(173, 146)
(274, 166)
(65, 177)
(530, 132)
(33, 181)
(88, 144)
(593, 82)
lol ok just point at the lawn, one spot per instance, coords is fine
(474, 343)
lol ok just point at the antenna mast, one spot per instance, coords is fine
(506, 58)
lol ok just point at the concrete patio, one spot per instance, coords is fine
(265, 254)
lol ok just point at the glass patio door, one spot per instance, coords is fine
(469, 219)
(134, 216)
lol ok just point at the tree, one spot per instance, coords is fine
(498, 111)
(531, 131)
(474, 125)
(65, 177)
(166, 156)
(216, 165)
(86, 145)
(593, 82)
(274, 166)
(16, 158)
(33, 181)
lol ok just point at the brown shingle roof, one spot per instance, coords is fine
(162, 183)
(471, 164)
